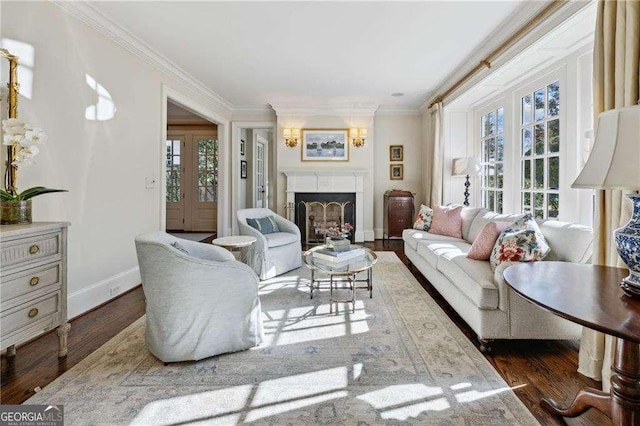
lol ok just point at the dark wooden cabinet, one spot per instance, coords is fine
(398, 212)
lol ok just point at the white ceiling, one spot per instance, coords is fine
(315, 53)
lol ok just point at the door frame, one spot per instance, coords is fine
(236, 126)
(224, 174)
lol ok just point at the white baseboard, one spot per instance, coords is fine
(369, 235)
(89, 297)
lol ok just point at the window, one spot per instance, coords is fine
(173, 170)
(492, 160)
(540, 152)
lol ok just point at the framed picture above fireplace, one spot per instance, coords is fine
(325, 145)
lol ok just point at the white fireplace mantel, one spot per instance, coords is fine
(328, 181)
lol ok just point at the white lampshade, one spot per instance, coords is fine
(295, 133)
(614, 162)
(286, 133)
(465, 166)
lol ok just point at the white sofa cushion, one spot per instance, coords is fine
(468, 215)
(432, 250)
(485, 217)
(474, 278)
(413, 236)
(277, 239)
(569, 242)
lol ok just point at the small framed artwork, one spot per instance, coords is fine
(241, 146)
(396, 153)
(396, 172)
(325, 145)
(243, 169)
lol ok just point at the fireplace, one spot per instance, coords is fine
(336, 183)
(317, 212)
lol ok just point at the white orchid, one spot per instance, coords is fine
(24, 138)
(10, 139)
(35, 136)
(13, 126)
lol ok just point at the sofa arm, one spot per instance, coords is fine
(503, 287)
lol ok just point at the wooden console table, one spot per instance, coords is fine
(591, 296)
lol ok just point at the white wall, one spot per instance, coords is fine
(405, 130)
(103, 164)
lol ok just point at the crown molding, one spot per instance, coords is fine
(326, 110)
(511, 25)
(88, 14)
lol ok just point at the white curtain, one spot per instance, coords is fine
(435, 156)
(616, 78)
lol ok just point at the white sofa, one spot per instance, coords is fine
(479, 295)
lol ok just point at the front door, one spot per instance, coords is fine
(192, 181)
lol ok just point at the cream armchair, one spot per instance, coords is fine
(200, 301)
(275, 253)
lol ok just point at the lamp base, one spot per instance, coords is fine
(628, 245)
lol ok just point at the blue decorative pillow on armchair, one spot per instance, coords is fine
(266, 225)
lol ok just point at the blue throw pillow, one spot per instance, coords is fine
(266, 225)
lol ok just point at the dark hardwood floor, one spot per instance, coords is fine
(535, 368)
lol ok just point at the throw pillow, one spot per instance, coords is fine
(483, 244)
(266, 225)
(521, 242)
(424, 218)
(447, 221)
(179, 246)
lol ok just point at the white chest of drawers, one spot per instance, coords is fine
(33, 283)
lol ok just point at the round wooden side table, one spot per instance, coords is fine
(590, 296)
(236, 244)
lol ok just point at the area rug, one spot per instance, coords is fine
(397, 359)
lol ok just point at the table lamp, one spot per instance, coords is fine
(614, 163)
(465, 166)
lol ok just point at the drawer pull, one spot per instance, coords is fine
(34, 249)
(34, 281)
(33, 312)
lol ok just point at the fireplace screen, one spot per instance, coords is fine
(315, 213)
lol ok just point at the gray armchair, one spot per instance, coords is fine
(275, 253)
(200, 301)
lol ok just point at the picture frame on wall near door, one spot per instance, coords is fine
(243, 169)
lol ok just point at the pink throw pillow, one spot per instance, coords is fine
(483, 245)
(447, 221)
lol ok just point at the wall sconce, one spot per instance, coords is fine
(357, 136)
(291, 137)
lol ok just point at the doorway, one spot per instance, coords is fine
(191, 172)
(253, 150)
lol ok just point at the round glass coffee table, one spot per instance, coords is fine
(345, 271)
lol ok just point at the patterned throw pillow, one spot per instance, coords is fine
(521, 242)
(447, 221)
(483, 244)
(266, 225)
(424, 218)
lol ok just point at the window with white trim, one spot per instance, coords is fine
(540, 152)
(492, 160)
